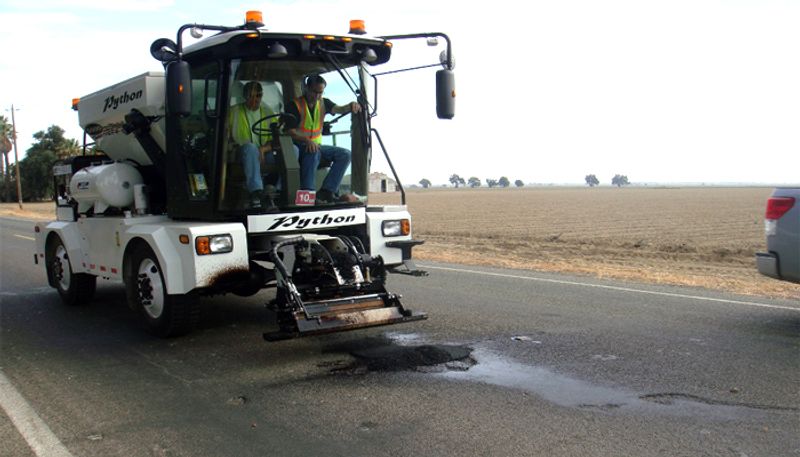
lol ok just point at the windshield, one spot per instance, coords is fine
(291, 138)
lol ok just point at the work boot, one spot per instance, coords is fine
(324, 196)
(255, 199)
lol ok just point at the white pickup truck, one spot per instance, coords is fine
(782, 227)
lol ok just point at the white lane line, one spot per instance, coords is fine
(42, 441)
(25, 237)
(617, 288)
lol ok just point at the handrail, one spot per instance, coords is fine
(396, 178)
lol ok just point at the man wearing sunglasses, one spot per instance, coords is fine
(253, 147)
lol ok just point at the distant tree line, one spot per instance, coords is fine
(457, 181)
(617, 180)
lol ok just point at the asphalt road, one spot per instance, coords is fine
(510, 363)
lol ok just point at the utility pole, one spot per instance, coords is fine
(16, 156)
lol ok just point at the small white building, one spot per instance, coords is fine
(380, 182)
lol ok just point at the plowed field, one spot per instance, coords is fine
(696, 236)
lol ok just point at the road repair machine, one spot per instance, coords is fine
(161, 203)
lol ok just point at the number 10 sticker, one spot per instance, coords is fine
(305, 197)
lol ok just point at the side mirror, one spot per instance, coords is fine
(445, 94)
(164, 50)
(179, 88)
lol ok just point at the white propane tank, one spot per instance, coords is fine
(104, 186)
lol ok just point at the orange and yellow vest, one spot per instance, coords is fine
(310, 126)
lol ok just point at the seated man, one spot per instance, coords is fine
(306, 132)
(253, 148)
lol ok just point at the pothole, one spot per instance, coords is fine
(425, 358)
(405, 358)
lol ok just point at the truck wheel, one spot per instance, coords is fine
(163, 315)
(73, 288)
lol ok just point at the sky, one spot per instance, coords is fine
(673, 91)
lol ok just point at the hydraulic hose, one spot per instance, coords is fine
(277, 260)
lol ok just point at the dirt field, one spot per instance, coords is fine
(703, 236)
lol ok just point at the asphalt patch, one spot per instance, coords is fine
(413, 358)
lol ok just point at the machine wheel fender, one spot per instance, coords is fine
(379, 244)
(72, 240)
(174, 274)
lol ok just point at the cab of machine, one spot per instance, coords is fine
(208, 176)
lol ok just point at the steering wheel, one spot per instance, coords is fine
(259, 129)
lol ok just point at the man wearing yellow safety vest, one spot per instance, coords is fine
(252, 146)
(310, 110)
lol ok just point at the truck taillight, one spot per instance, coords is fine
(778, 206)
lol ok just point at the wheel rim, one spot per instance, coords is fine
(150, 288)
(61, 268)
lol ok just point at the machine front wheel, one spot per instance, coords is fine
(163, 315)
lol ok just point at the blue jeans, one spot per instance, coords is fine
(309, 162)
(252, 166)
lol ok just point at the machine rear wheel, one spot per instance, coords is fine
(73, 288)
(163, 315)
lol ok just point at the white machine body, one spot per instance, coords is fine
(97, 246)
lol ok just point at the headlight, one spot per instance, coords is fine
(400, 227)
(214, 244)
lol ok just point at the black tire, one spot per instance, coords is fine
(73, 288)
(163, 315)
